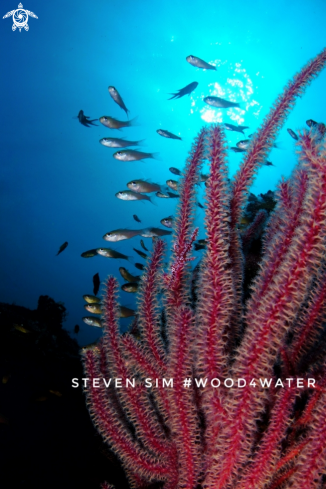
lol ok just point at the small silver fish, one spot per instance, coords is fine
(198, 246)
(311, 123)
(293, 134)
(142, 186)
(125, 312)
(130, 195)
(89, 254)
(119, 143)
(92, 321)
(172, 195)
(203, 177)
(231, 127)
(93, 308)
(175, 171)
(112, 123)
(62, 247)
(141, 253)
(220, 102)
(167, 222)
(109, 253)
(130, 287)
(167, 134)
(117, 98)
(184, 91)
(199, 63)
(152, 231)
(142, 244)
(127, 276)
(243, 144)
(133, 155)
(172, 184)
(120, 234)
(91, 299)
(161, 195)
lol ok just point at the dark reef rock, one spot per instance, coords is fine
(47, 439)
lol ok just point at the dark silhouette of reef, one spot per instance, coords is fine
(47, 439)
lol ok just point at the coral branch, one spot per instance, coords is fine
(184, 419)
(177, 289)
(263, 141)
(311, 462)
(149, 315)
(263, 465)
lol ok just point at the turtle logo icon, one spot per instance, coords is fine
(20, 18)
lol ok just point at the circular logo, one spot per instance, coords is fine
(20, 18)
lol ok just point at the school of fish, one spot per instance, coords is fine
(138, 189)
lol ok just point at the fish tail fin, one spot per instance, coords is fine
(174, 95)
(133, 122)
(156, 156)
(152, 202)
(140, 143)
(278, 145)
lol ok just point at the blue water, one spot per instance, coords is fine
(57, 183)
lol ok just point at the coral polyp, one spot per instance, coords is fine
(243, 402)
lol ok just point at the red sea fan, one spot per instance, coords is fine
(240, 392)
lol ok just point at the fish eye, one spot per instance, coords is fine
(191, 57)
(119, 153)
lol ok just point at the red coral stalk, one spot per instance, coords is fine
(177, 290)
(263, 141)
(311, 461)
(184, 420)
(260, 471)
(311, 320)
(148, 310)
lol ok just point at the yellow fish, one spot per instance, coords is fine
(56, 393)
(21, 328)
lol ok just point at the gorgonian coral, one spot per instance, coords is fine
(268, 430)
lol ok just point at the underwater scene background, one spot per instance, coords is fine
(58, 183)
